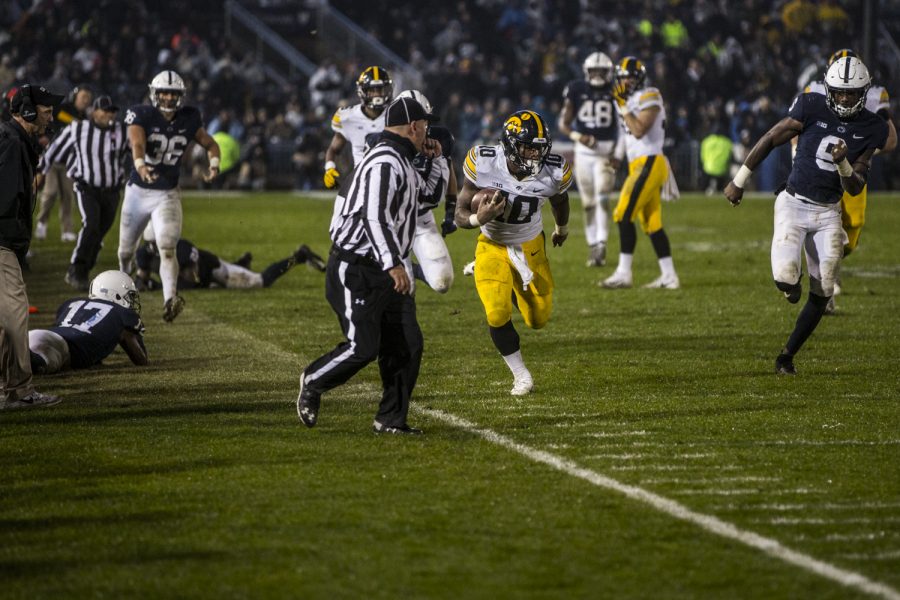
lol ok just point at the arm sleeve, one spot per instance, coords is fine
(381, 186)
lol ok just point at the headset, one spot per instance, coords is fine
(27, 109)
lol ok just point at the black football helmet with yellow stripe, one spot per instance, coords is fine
(842, 53)
(375, 88)
(633, 69)
(526, 130)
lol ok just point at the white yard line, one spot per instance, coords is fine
(672, 508)
(709, 523)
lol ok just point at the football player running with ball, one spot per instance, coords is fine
(590, 120)
(643, 117)
(837, 139)
(159, 135)
(510, 258)
(375, 89)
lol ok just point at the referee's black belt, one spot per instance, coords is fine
(85, 185)
(353, 258)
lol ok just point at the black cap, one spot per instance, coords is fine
(105, 103)
(406, 110)
(40, 96)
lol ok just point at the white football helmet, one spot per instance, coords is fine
(167, 81)
(598, 69)
(117, 287)
(847, 75)
(418, 97)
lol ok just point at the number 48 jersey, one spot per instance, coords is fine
(485, 166)
(595, 114)
(166, 142)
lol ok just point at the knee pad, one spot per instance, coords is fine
(792, 291)
(498, 318)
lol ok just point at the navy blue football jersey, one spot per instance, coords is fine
(595, 113)
(93, 328)
(435, 172)
(814, 174)
(166, 142)
(195, 265)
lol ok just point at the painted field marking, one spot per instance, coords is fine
(712, 524)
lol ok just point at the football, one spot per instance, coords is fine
(482, 195)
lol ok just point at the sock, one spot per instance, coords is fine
(168, 272)
(667, 266)
(625, 261)
(627, 237)
(600, 219)
(516, 364)
(276, 270)
(590, 225)
(806, 323)
(660, 242)
(505, 338)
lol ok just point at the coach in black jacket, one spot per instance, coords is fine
(32, 111)
(367, 282)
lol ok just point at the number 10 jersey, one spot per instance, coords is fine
(486, 167)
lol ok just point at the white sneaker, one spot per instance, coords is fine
(522, 385)
(617, 280)
(32, 400)
(68, 237)
(40, 231)
(664, 282)
(597, 255)
(469, 269)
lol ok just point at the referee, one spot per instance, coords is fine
(96, 151)
(367, 283)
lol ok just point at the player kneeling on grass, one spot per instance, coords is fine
(87, 330)
(510, 259)
(200, 268)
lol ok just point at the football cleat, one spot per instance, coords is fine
(831, 307)
(402, 430)
(245, 260)
(32, 400)
(304, 254)
(597, 256)
(307, 404)
(522, 385)
(40, 231)
(784, 365)
(469, 269)
(617, 280)
(173, 308)
(664, 282)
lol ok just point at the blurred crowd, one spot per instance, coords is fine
(724, 68)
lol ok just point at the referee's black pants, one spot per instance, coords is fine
(378, 323)
(98, 208)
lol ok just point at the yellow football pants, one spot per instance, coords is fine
(640, 195)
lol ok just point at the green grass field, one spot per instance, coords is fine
(660, 457)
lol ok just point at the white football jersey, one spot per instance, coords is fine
(485, 166)
(877, 98)
(354, 125)
(652, 141)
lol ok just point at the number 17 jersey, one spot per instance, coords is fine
(485, 166)
(166, 142)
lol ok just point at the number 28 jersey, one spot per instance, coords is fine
(166, 142)
(485, 166)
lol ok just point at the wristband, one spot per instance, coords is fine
(330, 165)
(844, 169)
(214, 162)
(741, 178)
(575, 136)
(561, 230)
(473, 220)
(138, 163)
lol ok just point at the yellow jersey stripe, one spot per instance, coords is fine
(469, 164)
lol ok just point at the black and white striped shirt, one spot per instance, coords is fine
(375, 216)
(94, 156)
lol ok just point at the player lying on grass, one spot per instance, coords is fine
(87, 330)
(200, 268)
